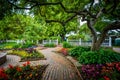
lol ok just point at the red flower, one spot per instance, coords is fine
(117, 66)
(28, 63)
(24, 64)
(3, 75)
(10, 66)
(106, 78)
(18, 69)
(2, 70)
(64, 51)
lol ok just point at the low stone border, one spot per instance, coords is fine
(2, 58)
(32, 59)
(76, 64)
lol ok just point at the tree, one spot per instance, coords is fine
(5, 8)
(91, 11)
(19, 26)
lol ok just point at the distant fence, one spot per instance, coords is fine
(50, 41)
(16, 41)
(80, 42)
(22, 41)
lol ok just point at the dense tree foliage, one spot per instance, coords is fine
(95, 12)
(19, 26)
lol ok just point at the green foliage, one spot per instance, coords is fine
(19, 26)
(77, 51)
(74, 37)
(27, 54)
(5, 8)
(67, 45)
(99, 57)
(26, 45)
(7, 45)
(50, 45)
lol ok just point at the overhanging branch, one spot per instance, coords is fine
(49, 21)
(62, 22)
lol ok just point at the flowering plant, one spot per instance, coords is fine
(3, 75)
(26, 72)
(64, 51)
(108, 71)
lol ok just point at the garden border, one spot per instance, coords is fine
(3, 58)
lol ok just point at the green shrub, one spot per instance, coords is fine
(77, 51)
(26, 54)
(89, 57)
(17, 46)
(99, 57)
(7, 45)
(50, 45)
(67, 45)
(27, 45)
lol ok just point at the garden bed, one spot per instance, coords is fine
(28, 54)
(108, 71)
(103, 64)
(26, 72)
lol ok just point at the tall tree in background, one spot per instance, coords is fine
(92, 11)
(19, 26)
(5, 8)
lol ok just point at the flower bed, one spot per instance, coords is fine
(64, 51)
(108, 71)
(27, 54)
(26, 72)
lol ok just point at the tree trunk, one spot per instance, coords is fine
(63, 37)
(97, 43)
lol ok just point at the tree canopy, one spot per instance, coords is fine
(66, 13)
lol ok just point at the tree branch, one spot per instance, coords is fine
(49, 21)
(70, 18)
(115, 25)
(62, 22)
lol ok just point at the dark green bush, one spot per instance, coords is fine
(77, 51)
(67, 45)
(7, 45)
(99, 57)
(27, 45)
(17, 46)
(50, 45)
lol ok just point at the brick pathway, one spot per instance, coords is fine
(59, 67)
(14, 60)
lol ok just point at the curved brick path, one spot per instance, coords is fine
(11, 59)
(14, 60)
(59, 67)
